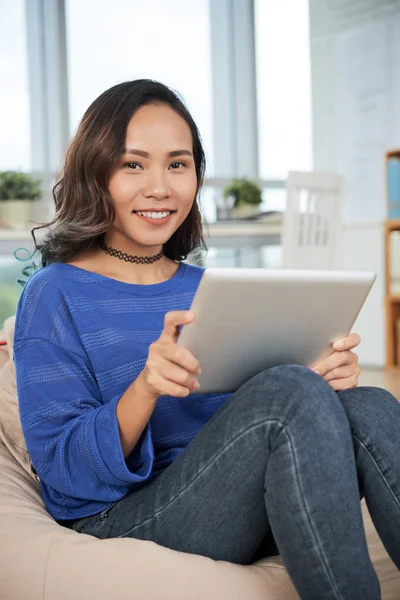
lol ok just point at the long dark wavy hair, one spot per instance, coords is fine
(83, 207)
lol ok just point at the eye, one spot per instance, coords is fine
(178, 164)
(132, 165)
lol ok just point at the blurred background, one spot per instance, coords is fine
(298, 104)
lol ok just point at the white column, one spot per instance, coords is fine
(48, 86)
(234, 88)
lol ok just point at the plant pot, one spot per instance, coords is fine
(15, 214)
(245, 210)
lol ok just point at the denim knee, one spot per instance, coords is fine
(290, 390)
(290, 377)
(284, 373)
(370, 410)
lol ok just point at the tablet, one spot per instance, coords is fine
(248, 320)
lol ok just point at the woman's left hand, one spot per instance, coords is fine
(341, 369)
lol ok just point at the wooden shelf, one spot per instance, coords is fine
(392, 301)
(392, 154)
(392, 225)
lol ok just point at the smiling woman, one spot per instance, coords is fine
(141, 206)
(116, 426)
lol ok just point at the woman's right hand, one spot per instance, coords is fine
(170, 369)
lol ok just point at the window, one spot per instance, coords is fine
(130, 39)
(14, 129)
(14, 97)
(283, 88)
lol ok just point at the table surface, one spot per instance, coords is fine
(221, 234)
(271, 223)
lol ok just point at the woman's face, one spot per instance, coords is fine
(154, 184)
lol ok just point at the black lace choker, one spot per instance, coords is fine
(143, 260)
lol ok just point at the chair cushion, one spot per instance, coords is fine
(40, 559)
(10, 427)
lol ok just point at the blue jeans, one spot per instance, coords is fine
(285, 460)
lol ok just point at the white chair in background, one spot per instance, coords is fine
(312, 222)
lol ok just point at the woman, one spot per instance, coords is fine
(122, 445)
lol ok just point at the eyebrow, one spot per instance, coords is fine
(146, 154)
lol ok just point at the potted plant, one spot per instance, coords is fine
(17, 192)
(247, 196)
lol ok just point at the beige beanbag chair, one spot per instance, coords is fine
(40, 560)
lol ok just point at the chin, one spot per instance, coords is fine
(153, 238)
(149, 241)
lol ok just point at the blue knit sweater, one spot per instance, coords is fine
(80, 340)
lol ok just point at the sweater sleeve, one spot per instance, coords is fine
(71, 436)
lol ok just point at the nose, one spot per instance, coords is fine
(156, 185)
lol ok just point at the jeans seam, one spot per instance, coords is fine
(200, 473)
(307, 512)
(379, 470)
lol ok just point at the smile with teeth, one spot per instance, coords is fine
(154, 215)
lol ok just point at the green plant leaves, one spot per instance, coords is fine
(16, 185)
(245, 191)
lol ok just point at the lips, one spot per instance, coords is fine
(153, 214)
(156, 210)
(154, 217)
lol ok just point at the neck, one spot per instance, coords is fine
(116, 240)
(141, 272)
(131, 258)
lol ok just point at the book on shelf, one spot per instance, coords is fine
(393, 178)
(397, 360)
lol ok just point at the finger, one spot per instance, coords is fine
(345, 372)
(172, 321)
(343, 384)
(163, 386)
(336, 359)
(347, 343)
(169, 388)
(348, 365)
(182, 357)
(180, 376)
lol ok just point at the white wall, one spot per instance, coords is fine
(363, 250)
(356, 118)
